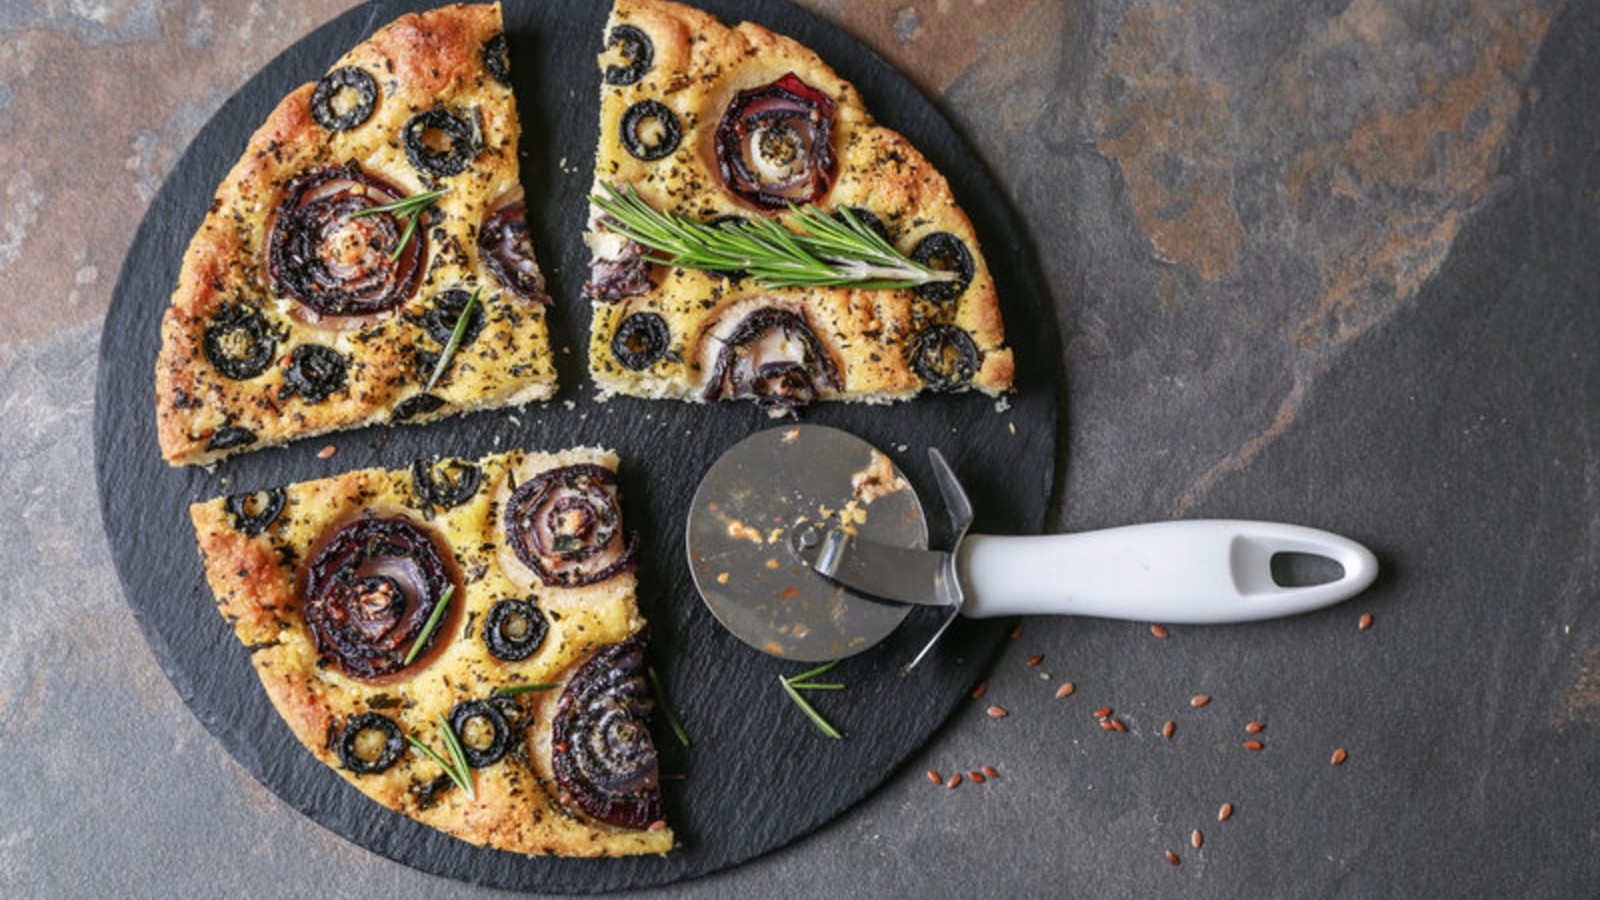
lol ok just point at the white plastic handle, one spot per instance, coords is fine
(1185, 572)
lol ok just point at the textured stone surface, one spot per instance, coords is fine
(1330, 262)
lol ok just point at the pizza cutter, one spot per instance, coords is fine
(809, 544)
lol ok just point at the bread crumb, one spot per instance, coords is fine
(327, 452)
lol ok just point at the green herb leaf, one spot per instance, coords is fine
(814, 686)
(453, 744)
(454, 343)
(826, 252)
(816, 718)
(823, 669)
(411, 208)
(462, 777)
(510, 690)
(666, 709)
(429, 626)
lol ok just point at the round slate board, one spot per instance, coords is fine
(758, 775)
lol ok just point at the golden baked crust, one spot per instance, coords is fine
(698, 67)
(259, 582)
(420, 62)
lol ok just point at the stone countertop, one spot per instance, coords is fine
(1328, 262)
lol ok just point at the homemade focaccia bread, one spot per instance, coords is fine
(308, 303)
(724, 124)
(389, 613)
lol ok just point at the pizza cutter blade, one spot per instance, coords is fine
(808, 543)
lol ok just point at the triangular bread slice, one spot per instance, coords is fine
(294, 313)
(671, 76)
(522, 562)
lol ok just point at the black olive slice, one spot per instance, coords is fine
(447, 484)
(239, 342)
(870, 219)
(636, 48)
(641, 340)
(335, 264)
(512, 711)
(774, 144)
(944, 356)
(229, 437)
(470, 720)
(369, 592)
(497, 58)
(461, 139)
(505, 243)
(566, 526)
(254, 512)
(356, 750)
(603, 756)
(653, 143)
(944, 252)
(440, 318)
(514, 630)
(357, 82)
(428, 794)
(419, 405)
(314, 372)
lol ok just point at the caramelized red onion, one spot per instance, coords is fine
(505, 244)
(369, 592)
(625, 276)
(775, 144)
(335, 265)
(773, 357)
(602, 753)
(566, 526)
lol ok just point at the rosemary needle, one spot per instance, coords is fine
(429, 626)
(455, 340)
(666, 708)
(816, 718)
(513, 689)
(411, 208)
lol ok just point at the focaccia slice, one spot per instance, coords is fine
(722, 124)
(534, 657)
(302, 309)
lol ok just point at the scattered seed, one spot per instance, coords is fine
(1199, 700)
(1119, 725)
(1065, 690)
(1339, 756)
(1159, 631)
(327, 453)
(980, 690)
(1105, 725)
(1017, 631)
(1225, 813)
(658, 825)
(1035, 659)
(1255, 727)
(997, 712)
(1253, 745)
(1366, 621)
(1103, 712)
(955, 779)
(1168, 729)
(991, 772)
(1172, 857)
(975, 777)
(1196, 839)
(933, 776)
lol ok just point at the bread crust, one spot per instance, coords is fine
(698, 67)
(418, 62)
(256, 581)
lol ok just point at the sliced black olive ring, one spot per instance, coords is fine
(944, 252)
(462, 141)
(444, 314)
(418, 405)
(944, 357)
(356, 748)
(315, 372)
(636, 48)
(230, 436)
(497, 58)
(239, 342)
(254, 512)
(346, 78)
(641, 340)
(448, 484)
(646, 141)
(512, 711)
(484, 734)
(514, 630)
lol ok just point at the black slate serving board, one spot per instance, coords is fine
(758, 775)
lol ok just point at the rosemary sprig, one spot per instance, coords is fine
(825, 252)
(456, 766)
(411, 208)
(794, 685)
(429, 626)
(511, 690)
(666, 709)
(454, 343)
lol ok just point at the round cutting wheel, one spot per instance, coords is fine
(766, 492)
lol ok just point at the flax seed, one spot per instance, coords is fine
(1168, 729)
(955, 779)
(1254, 727)
(1225, 813)
(1365, 622)
(1105, 725)
(933, 776)
(1065, 690)
(1172, 857)
(975, 777)
(1199, 700)
(1159, 631)
(1035, 659)
(980, 690)
(1119, 725)
(1017, 631)
(1339, 756)
(1103, 712)
(327, 453)
(1253, 745)
(991, 772)
(997, 712)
